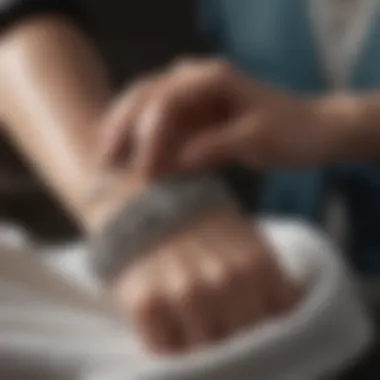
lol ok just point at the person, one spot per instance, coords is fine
(53, 91)
(186, 290)
(293, 99)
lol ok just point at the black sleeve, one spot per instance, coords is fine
(13, 10)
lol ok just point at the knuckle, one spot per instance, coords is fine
(216, 69)
(166, 107)
(143, 305)
(159, 118)
(186, 294)
(221, 69)
(184, 63)
(141, 84)
(226, 281)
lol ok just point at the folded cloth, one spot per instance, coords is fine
(54, 324)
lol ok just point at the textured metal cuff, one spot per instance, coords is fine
(156, 212)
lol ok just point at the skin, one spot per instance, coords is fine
(209, 113)
(192, 289)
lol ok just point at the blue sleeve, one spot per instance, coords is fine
(210, 23)
(13, 10)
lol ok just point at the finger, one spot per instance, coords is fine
(117, 129)
(214, 146)
(211, 271)
(147, 308)
(190, 303)
(280, 293)
(222, 284)
(158, 331)
(261, 277)
(154, 140)
(247, 305)
(173, 115)
(243, 303)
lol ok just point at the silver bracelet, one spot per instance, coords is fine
(157, 212)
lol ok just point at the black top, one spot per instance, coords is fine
(13, 10)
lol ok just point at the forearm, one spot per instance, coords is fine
(53, 90)
(355, 120)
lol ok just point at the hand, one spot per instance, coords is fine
(208, 283)
(202, 113)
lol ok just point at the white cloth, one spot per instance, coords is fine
(340, 28)
(54, 330)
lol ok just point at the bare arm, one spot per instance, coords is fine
(53, 89)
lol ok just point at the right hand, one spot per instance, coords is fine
(201, 114)
(203, 285)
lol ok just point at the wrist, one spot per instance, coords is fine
(103, 197)
(157, 213)
(347, 120)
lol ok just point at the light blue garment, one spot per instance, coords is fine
(273, 40)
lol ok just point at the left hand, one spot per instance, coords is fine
(203, 113)
(206, 283)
